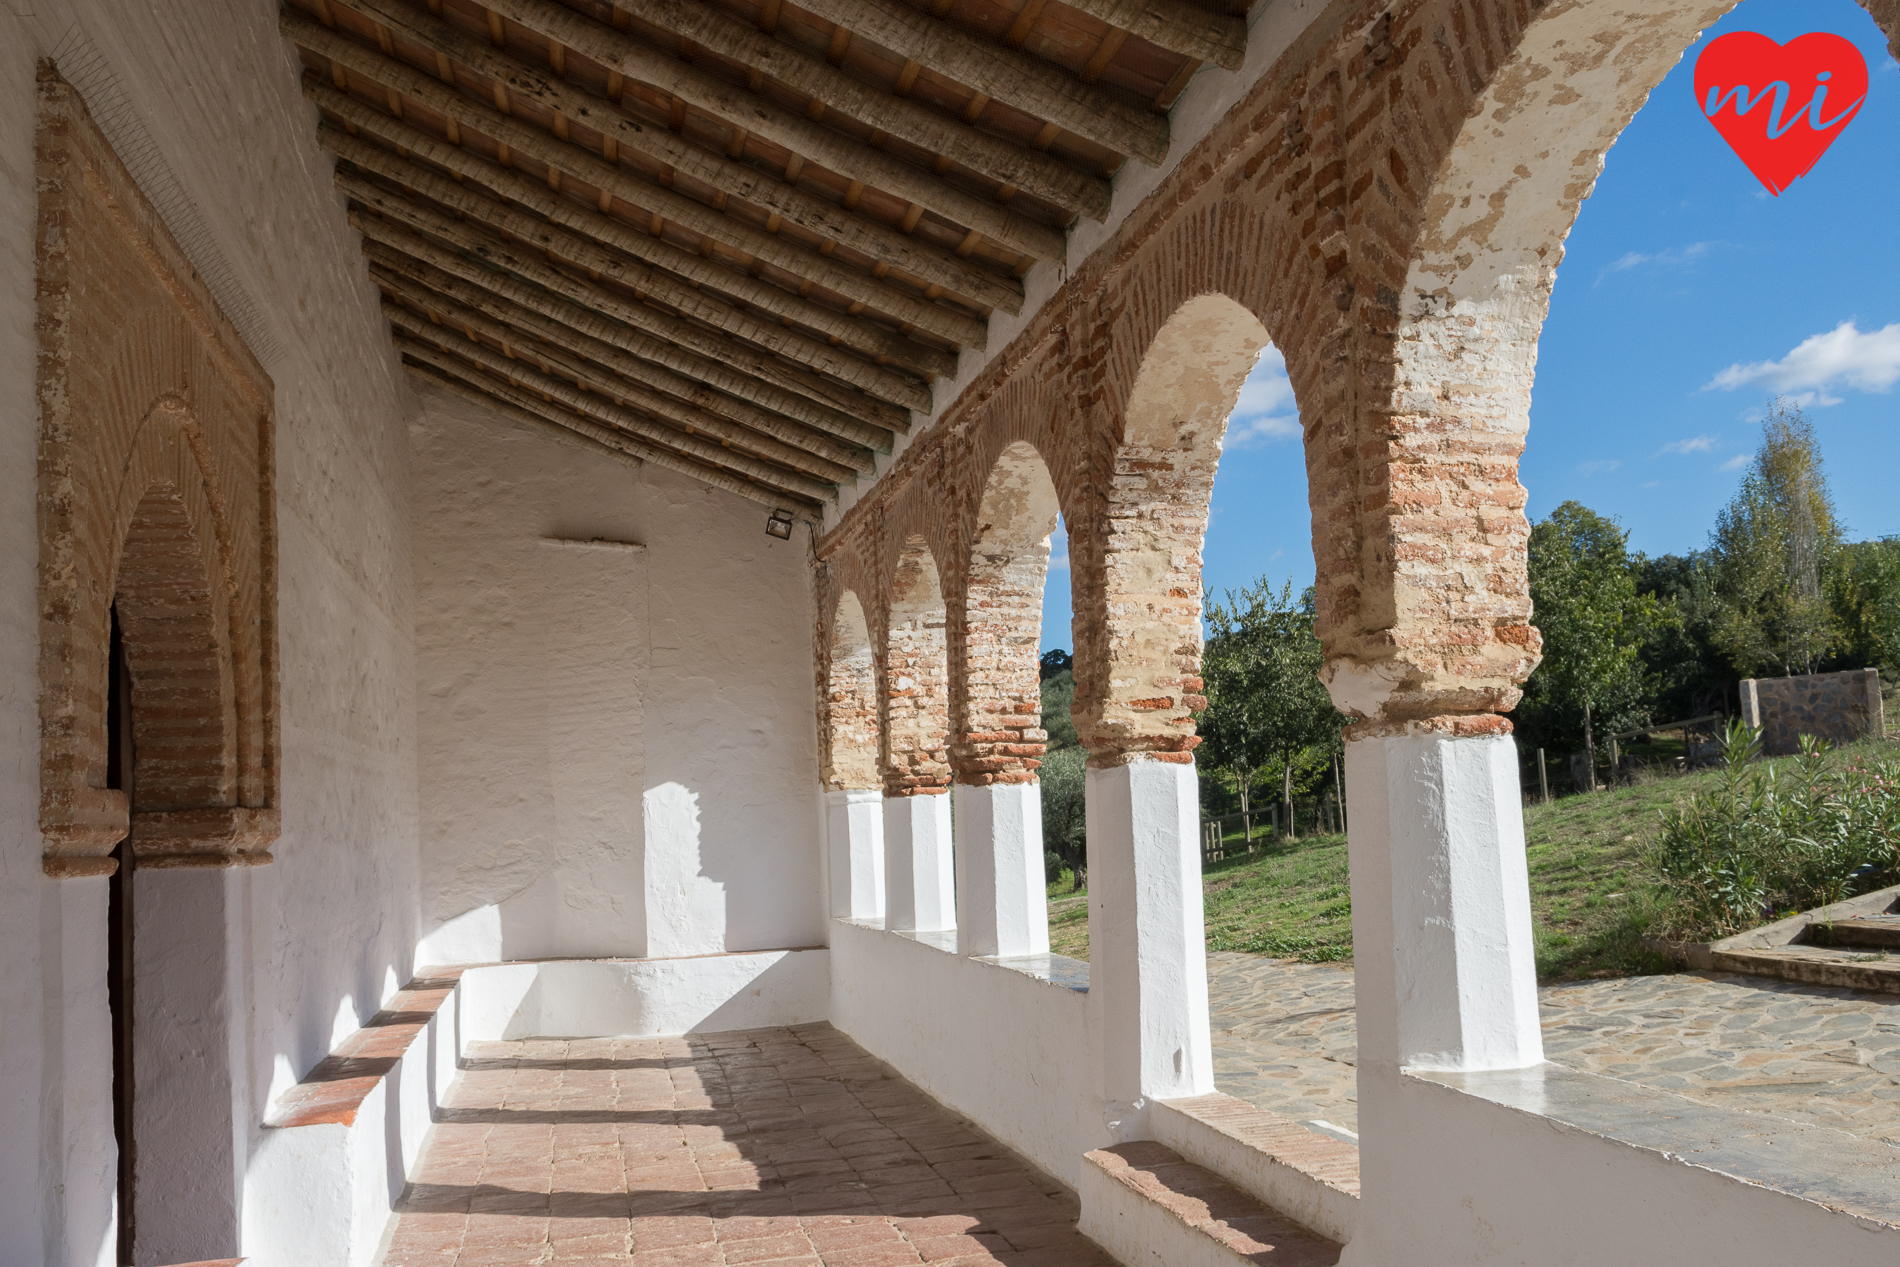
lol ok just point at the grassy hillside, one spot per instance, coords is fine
(1587, 897)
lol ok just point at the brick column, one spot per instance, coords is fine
(853, 797)
(1002, 906)
(919, 880)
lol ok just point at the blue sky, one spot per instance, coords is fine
(1687, 298)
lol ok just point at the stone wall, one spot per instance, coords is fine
(1837, 707)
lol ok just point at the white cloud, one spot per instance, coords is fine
(1601, 467)
(1735, 463)
(1867, 362)
(1694, 444)
(1265, 411)
(1674, 257)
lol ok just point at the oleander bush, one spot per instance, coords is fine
(1772, 838)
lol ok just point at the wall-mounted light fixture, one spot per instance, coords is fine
(779, 525)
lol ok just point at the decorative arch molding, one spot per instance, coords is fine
(155, 497)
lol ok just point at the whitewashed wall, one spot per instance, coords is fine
(329, 927)
(611, 735)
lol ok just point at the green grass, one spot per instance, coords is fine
(1589, 904)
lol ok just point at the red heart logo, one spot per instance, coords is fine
(1779, 106)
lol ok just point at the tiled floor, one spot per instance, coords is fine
(1285, 1038)
(783, 1148)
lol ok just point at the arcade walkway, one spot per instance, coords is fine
(781, 1147)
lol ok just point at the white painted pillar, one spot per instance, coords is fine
(1147, 941)
(854, 830)
(1002, 896)
(1441, 911)
(191, 1103)
(919, 873)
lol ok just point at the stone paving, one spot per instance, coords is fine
(781, 1148)
(1284, 1038)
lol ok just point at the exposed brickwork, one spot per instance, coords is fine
(996, 698)
(850, 750)
(1389, 205)
(916, 679)
(154, 493)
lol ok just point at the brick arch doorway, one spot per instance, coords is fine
(171, 751)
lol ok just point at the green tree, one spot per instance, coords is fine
(1058, 696)
(1585, 601)
(1266, 707)
(1064, 805)
(1864, 593)
(1064, 814)
(1771, 548)
(1688, 674)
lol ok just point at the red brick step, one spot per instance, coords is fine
(1146, 1205)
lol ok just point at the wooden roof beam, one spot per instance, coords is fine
(814, 453)
(595, 231)
(1032, 85)
(687, 420)
(669, 291)
(1001, 160)
(735, 179)
(471, 384)
(689, 214)
(506, 259)
(732, 104)
(626, 421)
(1180, 28)
(393, 246)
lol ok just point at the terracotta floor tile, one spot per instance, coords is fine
(769, 1148)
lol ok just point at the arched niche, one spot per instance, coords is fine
(851, 712)
(917, 678)
(1139, 642)
(996, 694)
(155, 495)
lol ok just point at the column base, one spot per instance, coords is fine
(1002, 896)
(919, 871)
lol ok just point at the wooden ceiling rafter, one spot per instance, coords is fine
(461, 218)
(897, 305)
(733, 238)
(555, 362)
(710, 95)
(444, 270)
(1009, 75)
(432, 365)
(601, 363)
(622, 419)
(1004, 161)
(671, 155)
